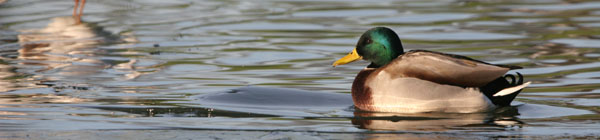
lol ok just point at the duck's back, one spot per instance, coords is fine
(444, 68)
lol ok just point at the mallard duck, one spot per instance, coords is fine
(426, 81)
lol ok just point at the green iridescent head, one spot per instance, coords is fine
(379, 45)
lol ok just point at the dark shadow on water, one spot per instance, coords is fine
(183, 112)
(252, 96)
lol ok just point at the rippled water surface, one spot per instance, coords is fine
(262, 69)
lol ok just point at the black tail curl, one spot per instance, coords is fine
(501, 83)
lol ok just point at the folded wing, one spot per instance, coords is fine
(445, 68)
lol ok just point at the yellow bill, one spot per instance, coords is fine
(351, 57)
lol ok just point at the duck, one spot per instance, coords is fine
(421, 81)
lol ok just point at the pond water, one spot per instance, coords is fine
(262, 69)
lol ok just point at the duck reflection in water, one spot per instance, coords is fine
(67, 48)
(499, 119)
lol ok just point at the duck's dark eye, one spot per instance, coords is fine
(368, 41)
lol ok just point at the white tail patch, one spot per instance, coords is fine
(510, 90)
